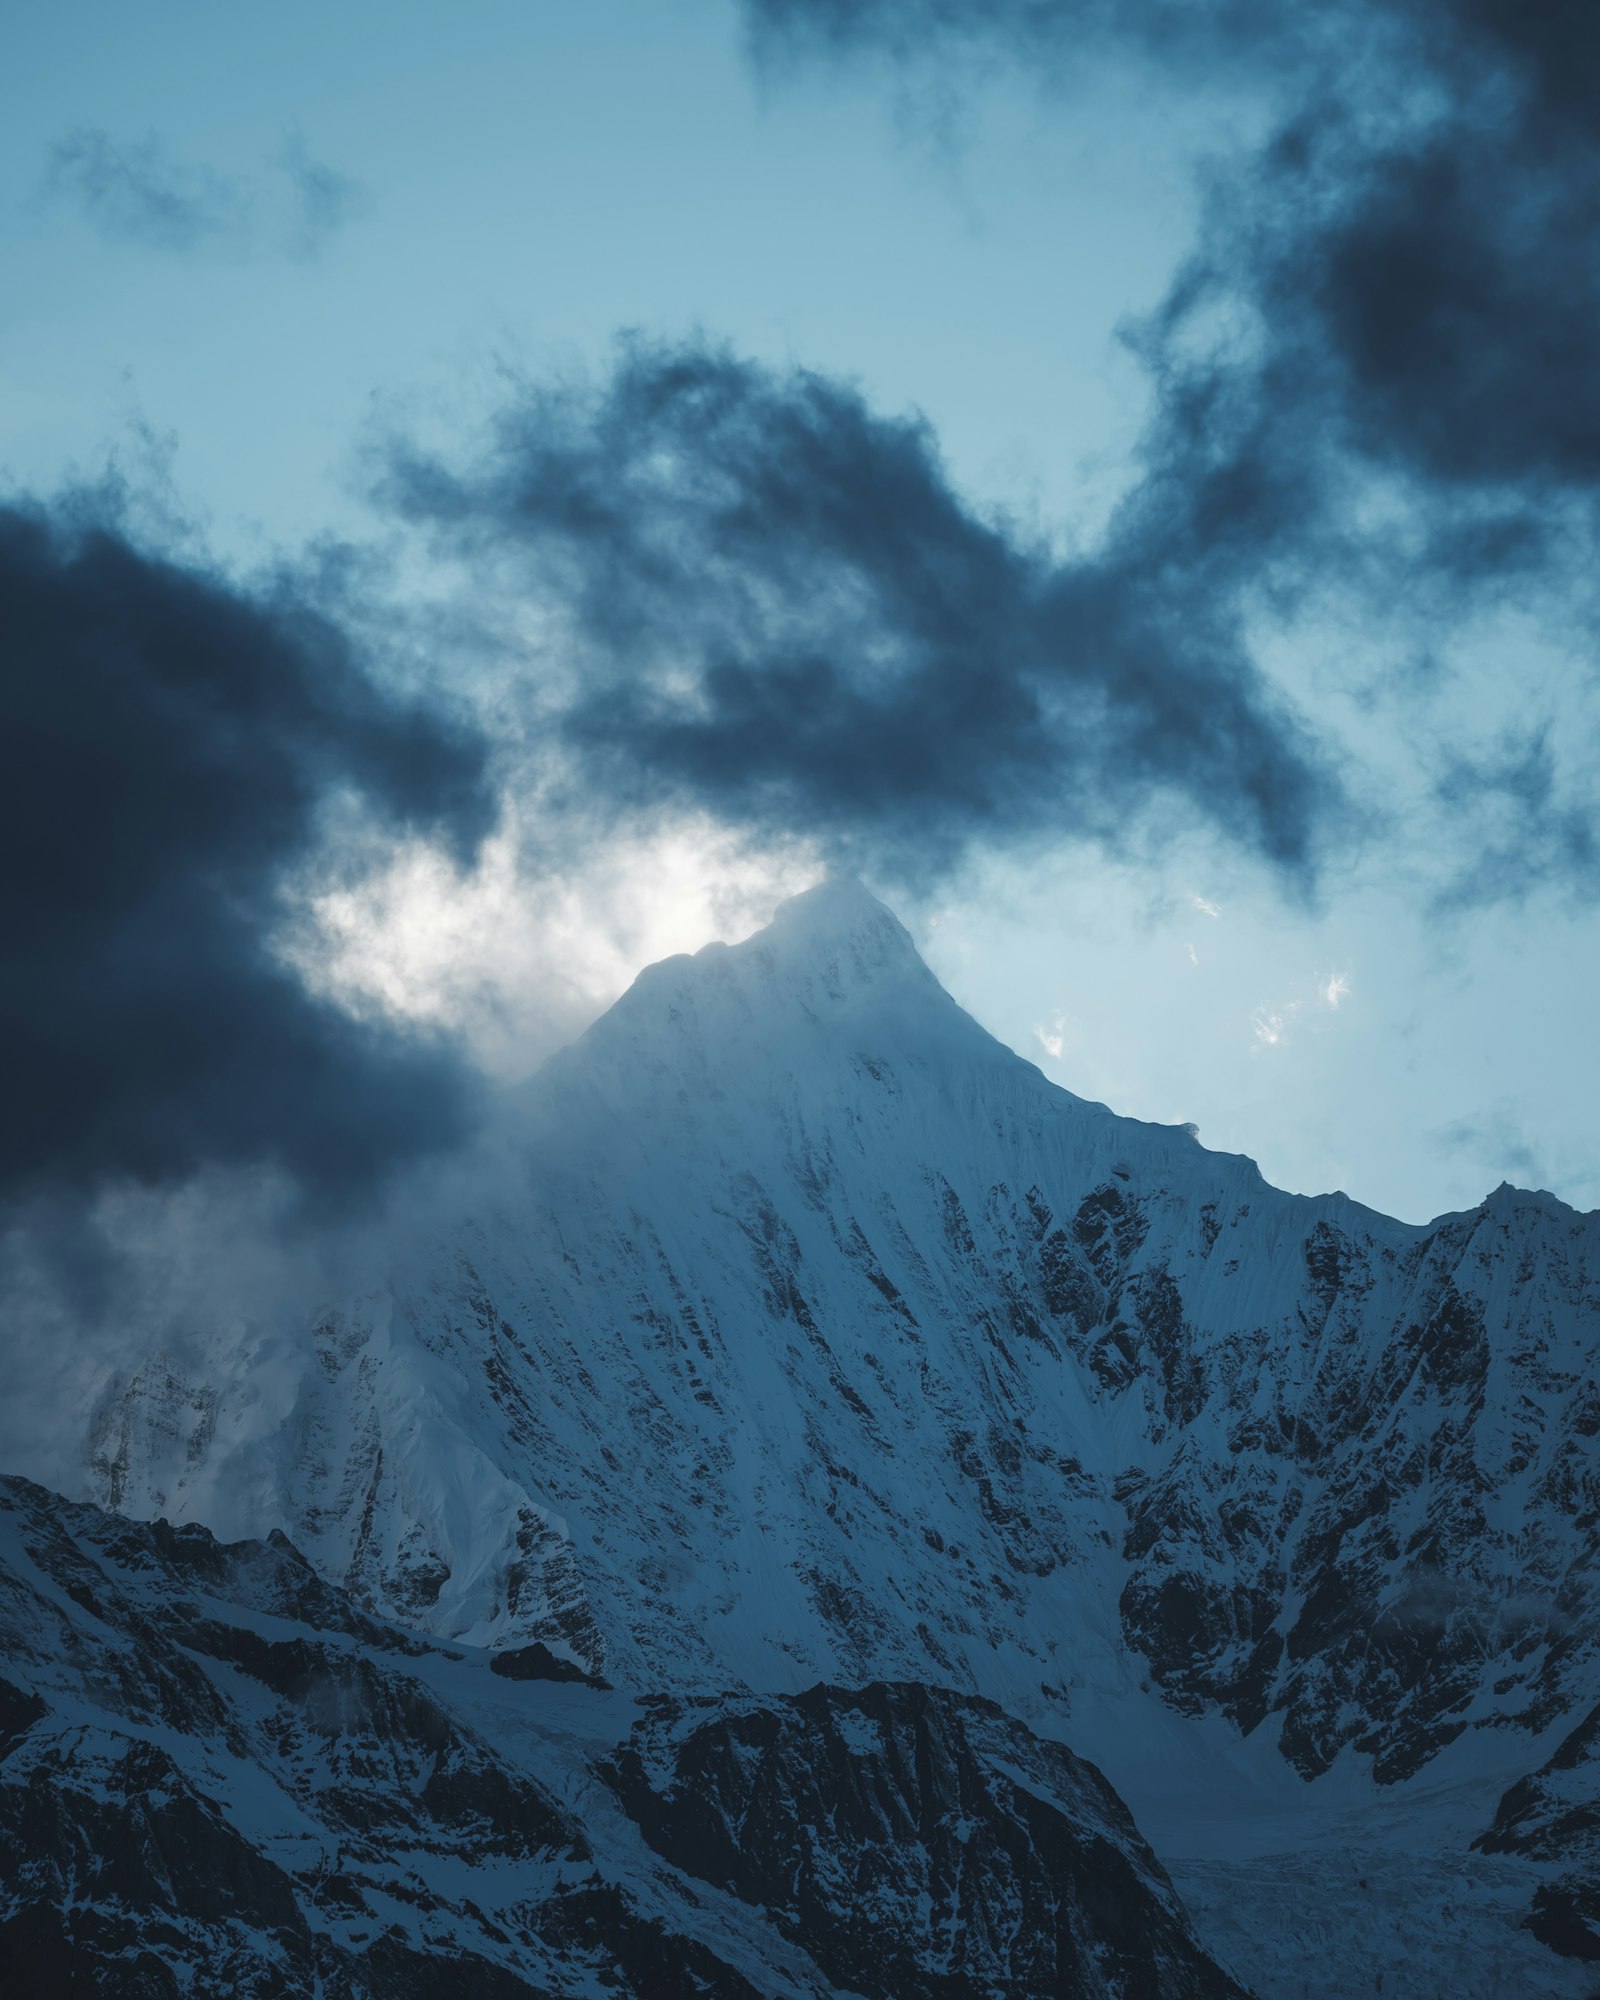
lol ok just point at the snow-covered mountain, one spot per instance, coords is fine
(809, 1335)
(219, 1776)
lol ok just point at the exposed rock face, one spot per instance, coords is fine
(921, 1845)
(816, 1336)
(1553, 1815)
(218, 1775)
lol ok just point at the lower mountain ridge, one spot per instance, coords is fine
(816, 1369)
(222, 1776)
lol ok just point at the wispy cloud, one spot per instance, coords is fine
(1535, 817)
(1052, 1035)
(138, 192)
(324, 200)
(1334, 989)
(1495, 1138)
(1271, 1024)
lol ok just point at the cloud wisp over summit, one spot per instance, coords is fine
(759, 607)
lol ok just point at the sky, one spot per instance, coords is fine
(492, 495)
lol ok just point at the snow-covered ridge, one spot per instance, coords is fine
(816, 1336)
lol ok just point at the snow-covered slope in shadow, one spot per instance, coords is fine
(218, 1775)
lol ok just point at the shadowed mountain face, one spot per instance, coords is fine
(218, 1775)
(810, 1336)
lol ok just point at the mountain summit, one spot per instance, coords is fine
(836, 931)
(833, 962)
(816, 1337)
(834, 914)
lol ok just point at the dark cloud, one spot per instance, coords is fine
(1375, 374)
(324, 200)
(1051, 37)
(137, 192)
(781, 613)
(172, 749)
(1528, 825)
(1495, 1139)
(1412, 248)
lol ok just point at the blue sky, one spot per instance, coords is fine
(534, 179)
(359, 220)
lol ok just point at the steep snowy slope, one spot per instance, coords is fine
(812, 1335)
(219, 1776)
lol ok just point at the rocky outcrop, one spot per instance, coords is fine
(220, 1776)
(1553, 1816)
(921, 1845)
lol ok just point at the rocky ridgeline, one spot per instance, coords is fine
(218, 1775)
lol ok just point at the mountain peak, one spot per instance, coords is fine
(838, 911)
(835, 948)
(831, 960)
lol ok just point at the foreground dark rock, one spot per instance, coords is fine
(1553, 1815)
(977, 1858)
(219, 1776)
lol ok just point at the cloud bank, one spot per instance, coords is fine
(745, 599)
(1373, 377)
(769, 605)
(172, 749)
(763, 626)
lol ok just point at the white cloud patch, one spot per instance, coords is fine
(1206, 907)
(1271, 1024)
(1052, 1035)
(517, 959)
